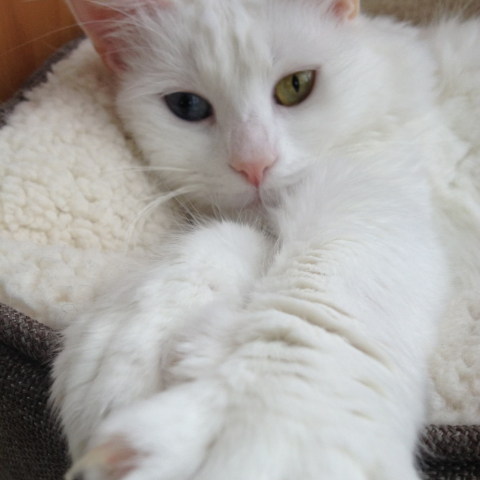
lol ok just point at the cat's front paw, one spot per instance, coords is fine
(117, 352)
(205, 430)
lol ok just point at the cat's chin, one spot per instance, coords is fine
(233, 206)
(238, 204)
(251, 212)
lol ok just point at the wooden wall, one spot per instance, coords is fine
(30, 31)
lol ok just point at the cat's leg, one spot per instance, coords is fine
(323, 373)
(114, 352)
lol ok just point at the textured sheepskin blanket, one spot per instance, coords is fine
(76, 208)
(74, 199)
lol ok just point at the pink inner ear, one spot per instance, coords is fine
(347, 9)
(95, 19)
(99, 22)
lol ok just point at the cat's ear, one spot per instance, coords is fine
(103, 21)
(100, 23)
(114, 459)
(345, 9)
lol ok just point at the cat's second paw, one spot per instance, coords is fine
(204, 430)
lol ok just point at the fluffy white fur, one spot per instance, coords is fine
(298, 367)
(301, 352)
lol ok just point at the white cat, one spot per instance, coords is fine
(296, 347)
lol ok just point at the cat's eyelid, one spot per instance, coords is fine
(177, 89)
(307, 68)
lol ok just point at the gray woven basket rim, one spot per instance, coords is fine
(450, 444)
(27, 336)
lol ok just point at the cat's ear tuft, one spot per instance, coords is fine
(115, 459)
(346, 9)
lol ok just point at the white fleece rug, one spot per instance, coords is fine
(74, 201)
(74, 210)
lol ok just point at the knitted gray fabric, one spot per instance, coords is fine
(31, 446)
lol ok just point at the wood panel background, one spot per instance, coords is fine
(30, 31)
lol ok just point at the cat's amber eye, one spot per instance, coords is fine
(295, 88)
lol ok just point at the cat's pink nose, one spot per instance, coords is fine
(253, 172)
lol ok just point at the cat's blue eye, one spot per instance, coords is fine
(188, 106)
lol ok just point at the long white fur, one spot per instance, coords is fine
(301, 353)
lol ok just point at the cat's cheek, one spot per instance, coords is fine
(277, 182)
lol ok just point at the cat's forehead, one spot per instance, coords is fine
(227, 36)
(213, 32)
(222, 40)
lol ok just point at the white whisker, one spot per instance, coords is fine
(139, 221)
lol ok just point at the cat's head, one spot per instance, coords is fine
(233, 100)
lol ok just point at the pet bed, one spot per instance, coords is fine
(32, 448)
(66, 218)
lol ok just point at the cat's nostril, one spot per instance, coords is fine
(253, 172)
